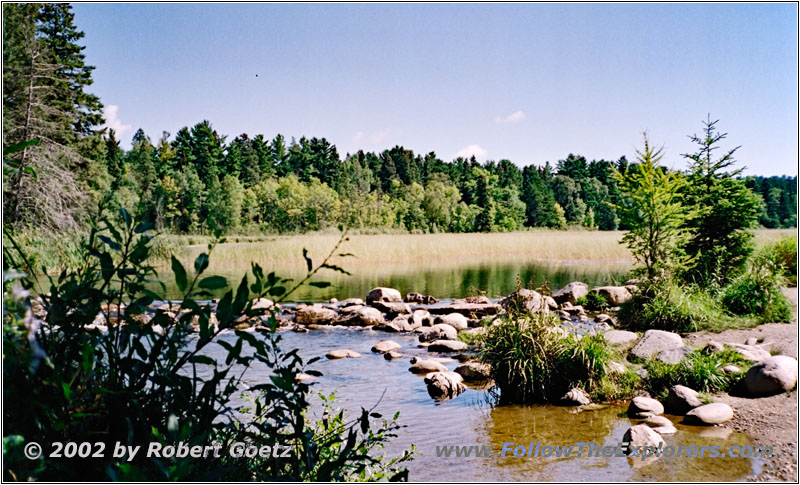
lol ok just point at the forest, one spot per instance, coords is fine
(63, 161)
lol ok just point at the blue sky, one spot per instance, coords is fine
(527, 82)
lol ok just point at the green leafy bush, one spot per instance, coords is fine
(700, 370)
(757, 292)
(97, 359)
(596, 301)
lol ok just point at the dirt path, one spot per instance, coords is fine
(767, 420)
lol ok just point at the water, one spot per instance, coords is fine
(470, 419)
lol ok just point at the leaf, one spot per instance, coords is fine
(309, 264)
(30, 171)
(126, 216)
(110, 242)
(213, 282)
(203, 359)
(320, 284)
(180, 274)
(201, 263)
(336, 268)
(144, 227)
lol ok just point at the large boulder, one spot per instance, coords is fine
(444, 385)
(447, 346)
(644, 407)
(474, 371)
(710, 414)
(424, 366)
(771, 376)
(655, 341)
(622, 338)
(753, 353)
(571, 293)
(342, 354)
(614, 295)
(455, 320)
(363, 317)
(681, 400)
(642, 435)
(439, 331)
(384, 294)
(525, 300)
(673, 356)
(315, 314)
(386, 346)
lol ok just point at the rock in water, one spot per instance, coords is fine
(420, 299)
(575, 397)
(342, 354)
(655, 341)
(681, 400)
(771, 376)
(385, 346)
(661, 425)
(571, 293)
(363, 317)
(444, 385)
(425, 366)
(392, 355)
(525, 300)
(614, 295)
(384, 294)
(455, 320)
(474, 371)
(644, 407)
(315, 314)
(439, 331)
(447, 346)
(642, 435)
(714, 413)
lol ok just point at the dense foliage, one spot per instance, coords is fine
(100, 358)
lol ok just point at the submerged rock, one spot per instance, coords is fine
(642, 435)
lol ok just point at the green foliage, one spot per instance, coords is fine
(97, 358)
(616, 386)
(596, 301)
(654, 209)
(721, 236)
(757, 292)
(782, 254)
(700, 370)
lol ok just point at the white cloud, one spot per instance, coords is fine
(515, 117)
(113, 121)
(373, 138)
(468, 151)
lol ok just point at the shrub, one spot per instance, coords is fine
(534, 360)
(757, 292)
(137, 381)
(700, 370)
(596, 301)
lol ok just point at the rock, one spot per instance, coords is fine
(424, 366)
(681, 400)
(642, 435)
(771, 376)
(455, 320)
(731, 369)
(438, 332)
(751, 341)
(474, 371)
(603, 318)
(551, 303)
(392, 308)
(385, 346)
(564, 315)
(644, 407)
(753, 353)
(524, 300)
(655, 341)
(384, 294)
(616, 367)
(333, 301)
(263, 303)
(444, 385)
(420, 299)
(351, 302)
(477, 299)
(315, 314)
(714, 413)
(716, 432)
(575, 397)
(398, 324)
(576, 310)
(620, 337)
(303, 377)
(363, 317)
(421, 318)
(571, 293)
(242, 326)
(342, 354)
(713, 346)
(674, 356)
(614, 295)
(642, 373)
(661, 425)
(392, 355)
(447, 346)
(469, 310)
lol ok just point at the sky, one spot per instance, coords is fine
(526, 82)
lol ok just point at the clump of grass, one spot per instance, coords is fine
(582, 301)
(667, 305)
(757, 292)
(615, 387)
(783, 253)
(596, 301)
(700, 370)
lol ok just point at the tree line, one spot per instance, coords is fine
(199, 178)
